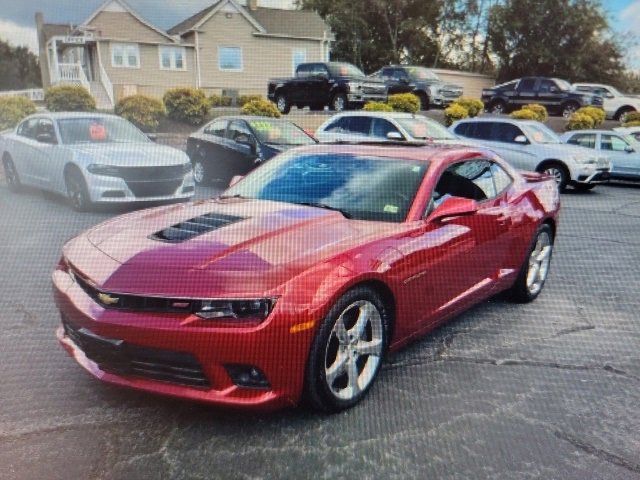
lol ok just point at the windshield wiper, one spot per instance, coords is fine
(325, 206)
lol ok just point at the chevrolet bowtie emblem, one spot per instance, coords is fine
(107, 299)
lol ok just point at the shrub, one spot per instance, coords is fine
(187, 105)
(580, 121)
(260, 107)
(630, 117)
(144, 112)
(13, 110)
(219, 101)
(404, 102)
(539, 110)
(473, 105)
(596, 113)
(69, 98)
(635, 123)
(377, 107)
(244, 99)
(455, 112)
(524, 114)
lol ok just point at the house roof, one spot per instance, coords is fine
(273, 21)
(55, 29)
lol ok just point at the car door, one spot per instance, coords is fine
(318, 86)
(513, 145)
(242, 151)
(397, 80)
(525, 92)
(301, 84)
(549, 94)
(47, 161)
(24, 149)
(625, 159)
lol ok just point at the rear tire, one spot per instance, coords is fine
(282, 103)
(347, 351)
(77, 192)
(534, 270)
(498, 107)
(11, 174)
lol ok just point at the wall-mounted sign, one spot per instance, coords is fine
(75, 40)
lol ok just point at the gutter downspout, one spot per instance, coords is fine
(198, 75)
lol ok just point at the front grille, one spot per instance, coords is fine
(146, 189)
(374, 89)
(451, 93)
(183, 231)
(145, 174)
(122, 358)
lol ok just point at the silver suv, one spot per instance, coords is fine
(530, 145)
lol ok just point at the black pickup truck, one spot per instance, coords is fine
(339, 85)
(557, 95)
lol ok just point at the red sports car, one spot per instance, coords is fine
(301, 276)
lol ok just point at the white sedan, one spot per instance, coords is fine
(93, 158)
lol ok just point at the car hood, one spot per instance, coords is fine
(562, 149)
(264, 245)
(130, 154)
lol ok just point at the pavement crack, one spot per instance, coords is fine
(574, 329)
(598, 452)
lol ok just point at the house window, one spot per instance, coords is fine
(230, 59)
(172, 58)
(125, 55)
(298, 56)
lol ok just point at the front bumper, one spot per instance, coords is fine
(271, 347)
(601, 175)
(106, 189)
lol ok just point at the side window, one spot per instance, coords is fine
(546, 86)
(505, 132)
(216, 128)
(387, 73)
(527, 85)
(584, 140)
(399, 74)
(238, 130)
(28, 128)
(472, 179)
(360, 125)
(462, 129)
(613, 143)
(304, 70)
(382, 127)
(341, 125)
(319, 70)
(46, 129)
(501, 179)
(482, 130)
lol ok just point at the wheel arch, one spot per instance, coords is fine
(622, 110)
(553, 161)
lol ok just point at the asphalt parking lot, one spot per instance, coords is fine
(547, 390)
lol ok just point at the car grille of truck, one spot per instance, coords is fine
(183, 231)
(122, 358)
(451, 93)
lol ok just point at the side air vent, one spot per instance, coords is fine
(181, 232)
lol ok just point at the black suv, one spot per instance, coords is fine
(557, 95)
(316, 85)
(421, 82)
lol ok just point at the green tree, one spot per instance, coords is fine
(18, 68)
(564, 38)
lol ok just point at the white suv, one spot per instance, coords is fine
(616, 104)
(530, 145)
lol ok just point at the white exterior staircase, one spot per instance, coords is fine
(103, 102)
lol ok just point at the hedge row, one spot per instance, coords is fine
(13, 110)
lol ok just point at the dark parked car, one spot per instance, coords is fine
(230, 146)
(339, 85)
(557, 95)
(421, 82)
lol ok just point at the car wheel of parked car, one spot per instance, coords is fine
(569, 109)
(339, 102)
(558, 172)
(535, 269)
(283, 103)
(347, 351)
(77, 191)
(11, 174)
(620, 114)
(200, 172)
(498, 108)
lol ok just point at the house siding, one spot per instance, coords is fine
(263, 57)
(125, 27)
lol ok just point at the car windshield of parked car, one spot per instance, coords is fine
(361, 187)
(425, 129)
(277, 132)
(420, 73)
(75, 131)
(540, 134)
(345, 70)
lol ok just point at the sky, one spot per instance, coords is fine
(18, 27)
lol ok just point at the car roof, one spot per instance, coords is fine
(249, 117)
(606, 132)
(63, 115)
(499, 119)
(376, 114)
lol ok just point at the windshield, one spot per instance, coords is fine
(345, 70)
(362, 187)
(421, 73)
(99, 130)
(422, 128)
(541, 134)
(278, 132)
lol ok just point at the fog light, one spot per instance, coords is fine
(247, 376)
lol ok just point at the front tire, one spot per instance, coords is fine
(77, 191)
(559, 173)
(282, 103)
(533, 273)
(569, 109)
(11, 174)
(201, 174)
(347, 351)
(339, 103)
(498, 108)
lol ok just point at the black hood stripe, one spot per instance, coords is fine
(183, 231)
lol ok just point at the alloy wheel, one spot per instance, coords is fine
(281, 104)
(198, 172)
(498, 108)
(339, 103)
(539, 262)
(568, 111)
(76, 193)
(556, 173)
(11, 175)
(354, 350)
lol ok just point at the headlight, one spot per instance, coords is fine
(106, 170)
(254, 309)
(354, 86)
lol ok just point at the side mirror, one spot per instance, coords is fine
(553, 90)
(235, 179)
(46, 138)
(453, 207)
(608, 95)
(629, 149)
(521, 139)
(395, 136)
